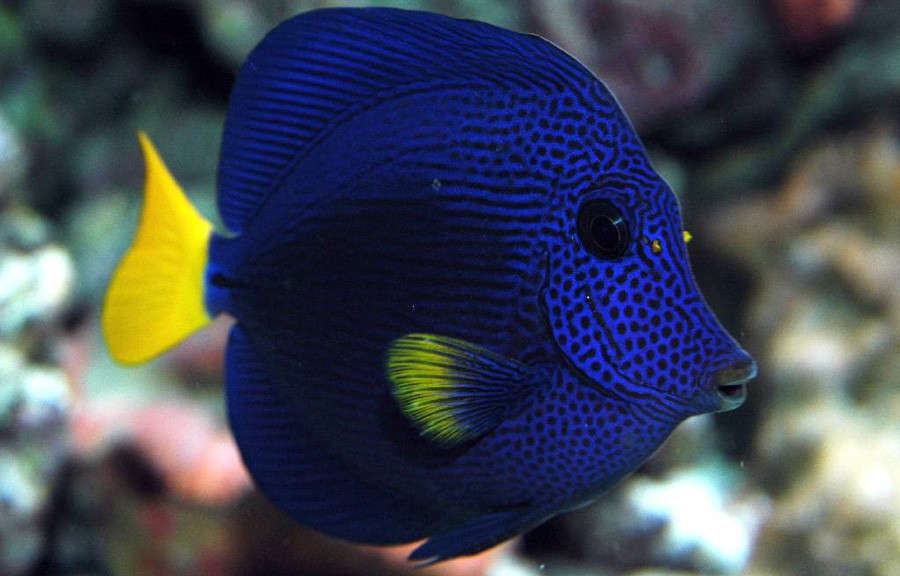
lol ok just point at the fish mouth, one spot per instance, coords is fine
(731, 384)
(732, 395)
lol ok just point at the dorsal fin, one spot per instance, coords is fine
(320, 66)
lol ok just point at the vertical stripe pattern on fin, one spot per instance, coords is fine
(313, 487)
(155, 297)
(321, 66)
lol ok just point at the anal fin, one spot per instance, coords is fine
(476, 535)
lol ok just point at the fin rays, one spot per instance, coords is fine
(451, 390)
(155, 298)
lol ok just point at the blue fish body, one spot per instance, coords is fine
(462, 293)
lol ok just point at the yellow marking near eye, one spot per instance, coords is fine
(687, 236)
(656, 247)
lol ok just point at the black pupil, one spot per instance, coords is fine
(602, 229)
(605, 231)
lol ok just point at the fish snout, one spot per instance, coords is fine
(730, 383)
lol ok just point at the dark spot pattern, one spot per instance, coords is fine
(633, 336)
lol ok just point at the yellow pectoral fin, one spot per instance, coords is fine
(453, 391)
(155, 297)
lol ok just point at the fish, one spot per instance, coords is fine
(462, 295)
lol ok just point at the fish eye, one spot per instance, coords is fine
(603, 230)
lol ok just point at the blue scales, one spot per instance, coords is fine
(463, 298)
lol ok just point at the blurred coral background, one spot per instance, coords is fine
(778, 125)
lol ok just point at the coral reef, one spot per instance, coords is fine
(776, 124)
(656, 57)
(826, 250)
(35, 396)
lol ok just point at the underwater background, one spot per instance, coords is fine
(778, 125)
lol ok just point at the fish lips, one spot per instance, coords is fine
(730, 383)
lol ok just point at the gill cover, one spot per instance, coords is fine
(155, 297)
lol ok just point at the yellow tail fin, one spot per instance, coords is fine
(155, 297)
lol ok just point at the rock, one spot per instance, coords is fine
(11, 37)
(510, 565)
(841, 500)
(32, 397)
(823, 253)
(686, 508)
(98, 231)
(192, 452)
(75, 23)
(506, 13)
(22, 230)
(709, 523)
(13, 161)
(26, 104)
(868, 64)
(34, 405)
(880, 176)
(868, 265)
(810, 21)
(33, 287)
(702, 518)
(35, 399)
(198, 459)
(855, 172)
(823, 346)
(21, 500)
(656, 58)
(234, 28)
